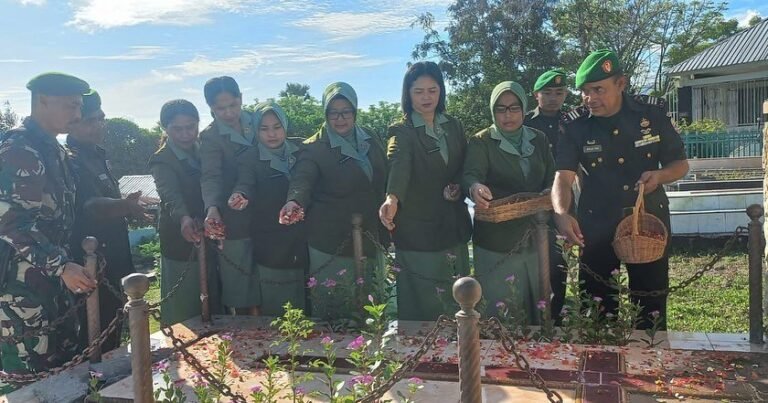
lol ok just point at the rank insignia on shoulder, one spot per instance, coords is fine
(575, 114)
(651, 100)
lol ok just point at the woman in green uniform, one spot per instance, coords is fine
(341, 172)
(280, 251)
(222, 145)
(502, 160)
(424, 209)
(176, 170)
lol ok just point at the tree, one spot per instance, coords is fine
(379, 117)
(305, 115)
(756, 19)
(129, 147)
(486, 42)
(297, 89)
(8, 118)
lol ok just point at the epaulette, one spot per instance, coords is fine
(575, 114)
(651, 100)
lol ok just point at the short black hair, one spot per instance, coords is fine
(414, 72)
(177, 107)
(217, 85)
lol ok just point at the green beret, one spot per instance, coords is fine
(57, 84)
(552, 78)
(91, 103)
(599, 65)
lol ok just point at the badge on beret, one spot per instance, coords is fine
(644, 123)
(607, 66)
(558, 80)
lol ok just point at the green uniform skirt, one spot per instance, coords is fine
(279, 286)
(496, 280)
(240, 286)
(185, 302)
(333, 284)
(425, 280)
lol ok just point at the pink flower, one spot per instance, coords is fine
(450, 256)
(439, 290)
(597, 299)
(415, 380)
(655, 314)
(615, 272)
(256, 389)
(370, 298)
(97, 375)
(510, 279)
(362, 379)
(312, 283)
(299, 391)
(541, 305)
(500, 305)
(357, 343)
(329, 283)
(226, 336)
(360, 281)
(341, 272)
(396, 269)
(161, 366)
(327, 341)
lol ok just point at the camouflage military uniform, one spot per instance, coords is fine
(36, 213)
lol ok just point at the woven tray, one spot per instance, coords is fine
(515, 206)
(641, 237)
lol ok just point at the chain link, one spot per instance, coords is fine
(683, 284)
(176, 286)
(76, 360)
(114, 290)
(409, 365)
(509, 345)
(190, 359)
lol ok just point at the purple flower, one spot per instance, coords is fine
(312, 283)
(341, 272)
(329, 283)
(256, 389)
(511, 278)
(226, 336)
(161, 366)
(597, 299)
(500, 305)
(415, 380)
(370, 298)
(396, 269)
(357, 343)
(655, 314)
(97, 375)
(299, 391)
(362, 379)
(327, 341)
(439, 290)
(615, 272)
(360, 281)
(541, 305)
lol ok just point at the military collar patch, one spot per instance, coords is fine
(575, 114)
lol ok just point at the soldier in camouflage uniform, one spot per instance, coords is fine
(36, 212)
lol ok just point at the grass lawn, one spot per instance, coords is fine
(719, 301)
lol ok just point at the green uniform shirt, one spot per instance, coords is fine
(492, 161)
(418, 173)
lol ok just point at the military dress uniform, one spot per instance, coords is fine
(94, 179)
(221, 151)
(613, 152)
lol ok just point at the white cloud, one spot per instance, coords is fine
(15, 61)
(31, 2)
(744, 17)
(135, 53)
(92, 15)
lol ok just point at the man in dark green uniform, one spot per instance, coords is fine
(100, 211)
(550, 90)
(620, 142)
(36, 213)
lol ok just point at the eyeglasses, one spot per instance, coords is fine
(345, 114)
(500, 109)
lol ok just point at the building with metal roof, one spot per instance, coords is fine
(144, 183)
(727, 82)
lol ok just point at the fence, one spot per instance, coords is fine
(739, 142)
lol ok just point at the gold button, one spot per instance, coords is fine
(594, 165)
(626, 187)
(615, 132)
(599, 159)
(648, 155)
(621, 160)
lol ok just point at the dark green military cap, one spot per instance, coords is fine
(552, 78)
(57, 84)
(91, 103)
(599, 65)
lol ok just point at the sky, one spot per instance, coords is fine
(140, 53)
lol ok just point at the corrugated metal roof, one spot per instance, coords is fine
(144, 183)
(747, 46)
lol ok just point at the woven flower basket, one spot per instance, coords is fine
(514, 206)
(641, 237)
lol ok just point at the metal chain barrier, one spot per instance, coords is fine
(509, 345)
(176, 286)
(244, 272)
(190, 359)
(683, 284)
(409, 365)
(76, 360)
(393, 263)
(114, 290)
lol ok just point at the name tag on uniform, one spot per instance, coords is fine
(103, 177)
(593, 148)
(649, 139)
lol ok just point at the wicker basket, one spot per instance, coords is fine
(641, 237)
(514, 206)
